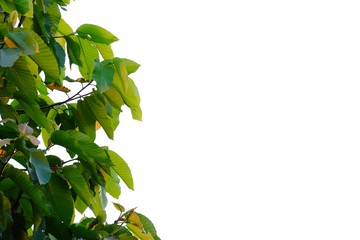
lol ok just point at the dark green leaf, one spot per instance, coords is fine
(5, 212)
(99, 111)
(23, 181)
(122, 169)
(8, 56)
(97, 34)
(82, 232)
(59, 52)
(22, 78)
(73, 48)
(78, 183)
(59, 195)
(57, 228)
(85, 120)
(32, 108)
(103, 75)
(41, 164)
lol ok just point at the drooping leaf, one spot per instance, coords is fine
(114, 97)
(78, 183)
(60, 197)
(112, 183)
(105, 51)
(21, 6)
(73, 49)
(8, 56)
(25, 40)
(98, 108)
(96, 34)
(22, 78)
(32, 108)
(134, 219)
(85, 120)
(103, 74)
(59, 52)
(46, 59)
(23, 181)
(122, 169)
(41, 164)
(5, 212)
(88, 54)
(122, 74)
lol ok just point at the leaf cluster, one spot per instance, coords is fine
(41, 189)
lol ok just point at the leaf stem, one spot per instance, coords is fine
(6, 162)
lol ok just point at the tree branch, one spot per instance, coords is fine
(6, 162)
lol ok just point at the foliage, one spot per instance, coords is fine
(41, 189)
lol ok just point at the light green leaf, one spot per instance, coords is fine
(122, 169)
(80, 205)
(21, 6)
(64, 28)
(46, 59)
(105, 51)
(138, 232)
(112, 183)
(32, 108)
(114, 97)
(8, 56)
(60, 197)
(121, 73)
(41, 164)
(88, 54)
(20, 75)
(119, 207)
(131, 66)
(97, 34)
(23, 181)
(25, 40)
(78, 183)
(98, 108)
(103, 74)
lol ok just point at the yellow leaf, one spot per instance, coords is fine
(57, 87)
(138, 232)
(9, 43)
(134, 219)
(97, 125)
(2, 153)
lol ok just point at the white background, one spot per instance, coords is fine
(251, 115)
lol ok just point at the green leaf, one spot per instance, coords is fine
(78, 183)
(98, 108)
(85, 120)
(84, 233)
(148, 226)
(119, 207)
(20, 75)
(103, 75)
(131, 66)
(122, 74)
(138, 232)
(97, 34)
(6, 184)
(41, 164)
(25, 40)
(46, 59)
(5, 212)
(80, 205)
(122, 169)
(32, 108)
(57, 228)
(8, 56)
(112, 183)
(88, 54)
(23, 181)
(105, 51)
(114, 97)
(59, 195)
(80, 144)
(73, 49)
(21, 6)
(64, 28)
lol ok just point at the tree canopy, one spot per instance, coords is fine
(50, 166)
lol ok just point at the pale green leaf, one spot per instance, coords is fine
(105, 51)
(122, 169)
(25, 40)
(41, 164)
(131, 66)
(8, 56)
(138, 232)
(88, 54)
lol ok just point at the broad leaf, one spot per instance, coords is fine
(46, 59)
(112, 183)
(138, 232)
(99, 111)
(5, 212)
(78, 183)
(88, 54)
(103, 74)
(20, 75)
(131, 66)
(32, 108)
(85, 120)
(23, 181)
(60, 197)
(57, 228)
(21, 6)
(73, 49)
(80, 144)
(105, 51)
(148, 226)
(121, 168)
(97, 34)
(25, 40)
(8, 56)
(41, 164)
